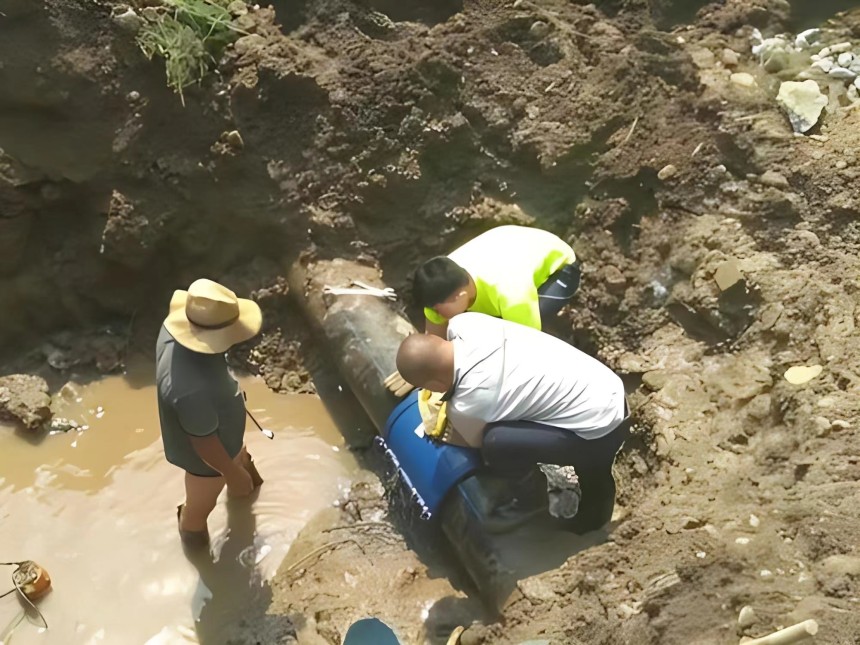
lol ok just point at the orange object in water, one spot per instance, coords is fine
(33, 581)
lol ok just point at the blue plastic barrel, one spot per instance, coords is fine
(429, 469)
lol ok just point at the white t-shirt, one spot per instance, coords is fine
(504, 371)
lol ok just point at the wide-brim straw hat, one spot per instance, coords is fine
(210, 319)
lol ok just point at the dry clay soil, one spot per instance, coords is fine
(392, 131)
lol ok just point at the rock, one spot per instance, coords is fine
(800, 374)
(770, 314)
(727, 275)
(247, 23)
(703, 58)
(822, 426)
(614, 279)
(806, 39)
(237, 8)
(536, 589)
(747, 617)
(667, 172)
(835, 49)
(539, 29)
(803, 102)
(845, 59)
(691, 523)
(842, 73)
(234, 139)
(61, 424)
(759, 407)
(730, 57)
(754, 521)
(841, 565)
(775, 179)
(655, 379)
(742, 79)
(128, 19)
(769, 49)
(25, 398)
(101, 348)
(249, 43)
(128, 238)
(825, 65)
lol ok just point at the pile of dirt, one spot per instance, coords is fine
(719, 250)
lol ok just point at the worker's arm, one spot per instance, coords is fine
(436, 329)
(468, 431)
(200, 421)
(212, 451)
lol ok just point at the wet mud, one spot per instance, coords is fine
(96, 507)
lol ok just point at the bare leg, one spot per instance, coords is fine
(201, 496)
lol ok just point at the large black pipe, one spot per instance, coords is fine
(362, 334)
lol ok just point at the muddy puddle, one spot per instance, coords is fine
(96, 508)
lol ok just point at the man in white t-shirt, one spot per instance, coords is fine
(524, 398)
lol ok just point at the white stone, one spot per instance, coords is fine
(845, 58)
(730, 57)
(747, 616)
(835, 49)
(805, 39)
(842, 73)
(800, 374)
(666, 172)
(825, 65)
(754, 521)
(743, 79)
(803, 102)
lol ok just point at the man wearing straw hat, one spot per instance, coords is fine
(200, 405)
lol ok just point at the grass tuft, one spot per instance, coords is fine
(190, 35)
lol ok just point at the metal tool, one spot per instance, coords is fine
(268, 433)
(361, 289)
(265, 431)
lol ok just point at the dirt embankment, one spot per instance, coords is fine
(391, 132)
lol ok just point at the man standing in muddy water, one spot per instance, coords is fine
(200, 405)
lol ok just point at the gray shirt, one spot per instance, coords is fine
(197, 397)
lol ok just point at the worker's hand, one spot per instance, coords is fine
(239, 482)
(395, 383)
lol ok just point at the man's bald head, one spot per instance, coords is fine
(426, 361)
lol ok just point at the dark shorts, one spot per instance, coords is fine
(557, 291)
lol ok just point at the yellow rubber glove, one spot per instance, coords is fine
(395, 383)
(433, 412)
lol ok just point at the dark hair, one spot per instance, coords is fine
(436, 280)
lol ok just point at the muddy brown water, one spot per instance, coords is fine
(96, 508)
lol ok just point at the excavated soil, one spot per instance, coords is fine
(392, 131)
